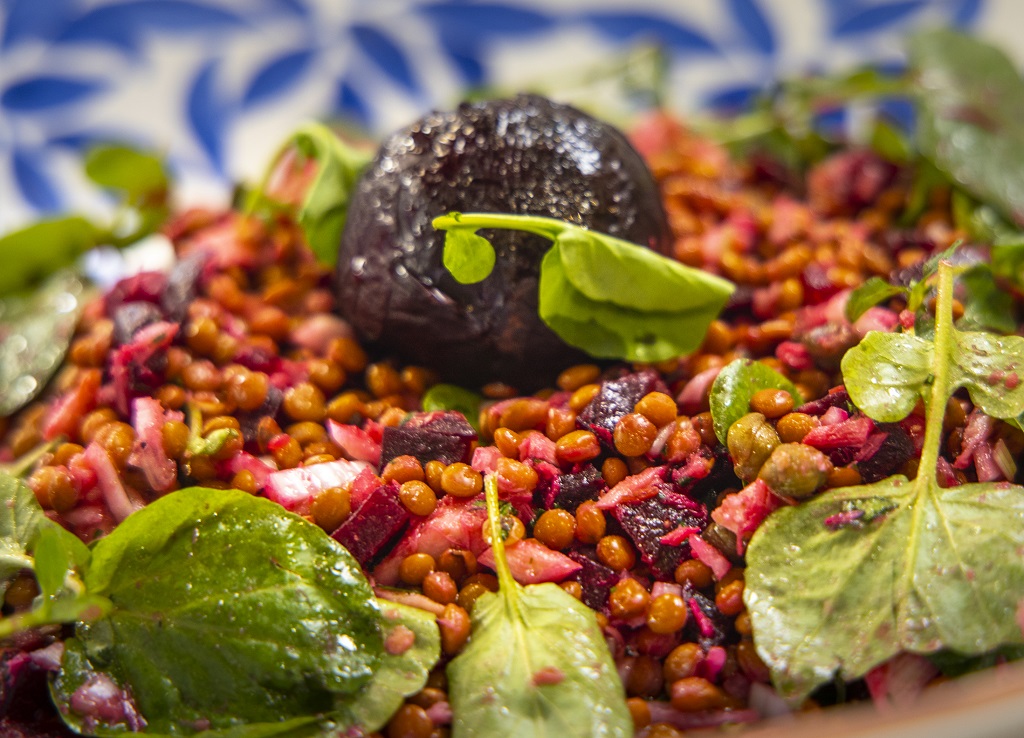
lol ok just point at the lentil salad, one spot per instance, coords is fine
(633, 487)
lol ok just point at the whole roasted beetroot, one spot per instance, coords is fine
(525, 155)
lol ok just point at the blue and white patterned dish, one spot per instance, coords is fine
(216, 84)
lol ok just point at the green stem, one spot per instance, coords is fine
(940, 389)
(506, 582)
(548, 228)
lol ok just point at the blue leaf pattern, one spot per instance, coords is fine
(853, 20)
(278, 75)
(40, 93)
(206, 114)
(388, 57)
(34, 184)
(70, 67)
(633, 27)
(754, 24)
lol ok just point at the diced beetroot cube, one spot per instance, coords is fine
(442, 436)
(616, 399)
(131, 317)
(708, 626)
(144, 287)
(373, 524)
(531, 562)
(849, 433)
(646, 522)
(180, 290)
(596, 580)
(882, 457)
(836, 397)
(575, 488)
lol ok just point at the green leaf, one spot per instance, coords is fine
(887, 373)
(536, 663)
(21, 518)
(987, 306)
(252, 614)
(940, 570)
(605, 330)
(452, 397)
(398, 676)
(969, 122)
(57, 553)
(738, 381)
(35, 333)
(890, 143)
(140, 175)
(589, 291)
(869, 294)
(607, 269)
(324, 206)
(31, 254)
(468, 256)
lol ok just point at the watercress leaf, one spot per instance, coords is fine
(606, 330)
(468, 256)
(869, 294)
(986, 305)
(536, 662)
(141, 175)
(398, 675)
(452, 397)
(831, 595)
(31, 254)
(21, 518)
(887, 373)
(324, 207)
(35, 333)
(991, 369)
(969, 123)
(207, 587)
(608, 269)
(736, 384)
(57, 552)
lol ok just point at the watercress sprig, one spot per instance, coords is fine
(536, 663)
(324, 205)
(844, 582)
(607, 296)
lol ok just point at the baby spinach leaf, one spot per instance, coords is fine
(969, 124)
(732, 389)
(588, 291)
(837, 585)
(38, 250)
(536, 663)
(940, 570)
(35, 333)
(398, 676)
(452, 397)
(324, 206)
(869, 294)
(227, 610)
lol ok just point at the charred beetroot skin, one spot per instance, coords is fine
(525, 155)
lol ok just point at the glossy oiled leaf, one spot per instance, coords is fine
(20, 521)
(398, 675)
(536, 664)
(886, 374)
(57, 553)
(940, 569)
(869, 294)
(736, 384)
(252, 613)
(969, 122)
(608, 269)
(35, 333)
(992, 369)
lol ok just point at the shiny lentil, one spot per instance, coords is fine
(628, 599)
(792, 427)
(634, 434)
(457, 563)
(614, 470)
(555, 529)
(410, 721)
(695, 694)
(331, 507)
(682, 662)
(615, 552)
(305, 401)
(454, 625)
(667, 613)
(577, 447)
(418, 497)
(590, 523)
(658, 408)
(440, 587)
(561, 421)
(694, 573)
(403, 469)
(771, 403)
(582, 397)
(517, 475)
(415, 567)
(461, 480)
